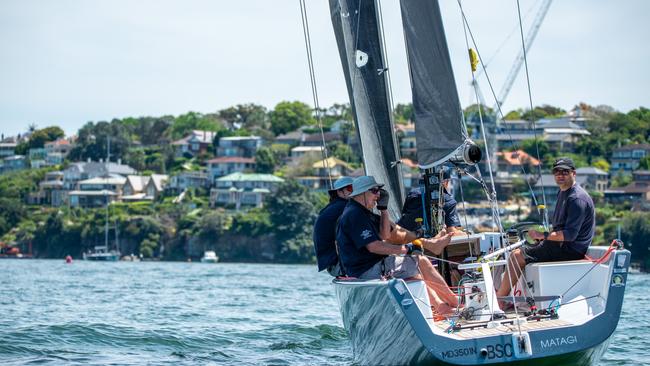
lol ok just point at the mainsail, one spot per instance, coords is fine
(439, 128)
(357, 33)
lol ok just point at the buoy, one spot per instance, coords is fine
(68, 259)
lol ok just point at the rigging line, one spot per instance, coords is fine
(532, 114)
(462, 197)
(314, 89)
(498, 105)
(494, 202)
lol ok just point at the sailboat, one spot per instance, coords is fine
(565, 312)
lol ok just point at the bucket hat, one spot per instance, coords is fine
(341, 183)
(363, 184)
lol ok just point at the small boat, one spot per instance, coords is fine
(101, 253)
(210, 257)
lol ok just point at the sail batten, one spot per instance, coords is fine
(356, 27)
(438, 115)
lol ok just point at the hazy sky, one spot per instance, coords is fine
(66, 62)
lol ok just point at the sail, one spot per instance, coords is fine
(439, 127)
(360, 46)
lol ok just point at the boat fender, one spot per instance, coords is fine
(523, 347)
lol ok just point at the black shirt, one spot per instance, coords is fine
(413, 209)
(325, 233)
(575, 216)
(357, 228)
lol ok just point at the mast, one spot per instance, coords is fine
(357, 29)
(440, 132)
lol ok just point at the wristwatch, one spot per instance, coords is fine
(409, 248)
(546, 233)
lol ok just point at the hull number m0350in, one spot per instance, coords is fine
(459, 352)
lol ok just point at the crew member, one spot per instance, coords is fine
(368, 250)
(324, 234)
(413, 209)
(574, 221)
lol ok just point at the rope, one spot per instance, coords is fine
(314, 90)
(600, 260)
(532, 114)
(500, 114)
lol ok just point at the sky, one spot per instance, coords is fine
(68, 62)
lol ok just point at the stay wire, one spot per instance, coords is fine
(500, 115)
(532, 114)
(314, 89)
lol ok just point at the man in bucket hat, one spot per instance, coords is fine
(369, 244)
(324, 233)
(574, 223)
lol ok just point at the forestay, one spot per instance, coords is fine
(357, 33)
(439, 128)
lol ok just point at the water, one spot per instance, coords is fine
(191, 313)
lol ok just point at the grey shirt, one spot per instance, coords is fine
(575, 216)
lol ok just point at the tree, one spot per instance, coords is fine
(602, 164)
(404, 113)
(249, 116)
(289, 116)
(185, 123)
(292, 214)
(635, 232)
(265, 161)
(531, 146)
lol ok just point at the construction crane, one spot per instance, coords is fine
(530, 38)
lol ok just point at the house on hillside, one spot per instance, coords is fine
(13, 163)
(50, 191)
(60, 146)
(92, 169)
(406, 138)
(97, 192)
(225, 165)
(7, 149)
(239, 146)
(188, 180)
(594, 179)
(293, 138)
(516, 162)
(241, 189)
(155, 186)
(324, 170)
(636, 193)
(197, 142)
(626, 158)
(133, 189)
(299, 152)
(316, 139)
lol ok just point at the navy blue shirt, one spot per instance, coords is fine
(413, 209)
(325, 233)
(575, 216)
(357, 228)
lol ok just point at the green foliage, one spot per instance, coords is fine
(621, 180)
(644, 163)
(512, 115)
(249, 116)
(93, 141)
(289, 116)
(254, 223)
(265, 160)
(635, 233)
(404, 113)
(544, 111)
(292, 214)
(344, 152)
(185, 123)
(602, 164)
(531, 147)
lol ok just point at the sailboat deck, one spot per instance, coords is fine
(504, 328)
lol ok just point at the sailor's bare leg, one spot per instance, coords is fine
(516, 263)
(441, 296)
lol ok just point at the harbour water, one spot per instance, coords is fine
(192, 313)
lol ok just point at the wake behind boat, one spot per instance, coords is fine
(562, 313)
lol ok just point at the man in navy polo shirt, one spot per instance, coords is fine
(574, 223)
(365, 253)
(325, 227)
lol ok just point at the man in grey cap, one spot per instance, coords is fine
(369, 245)
(574, 223)
(324, 234)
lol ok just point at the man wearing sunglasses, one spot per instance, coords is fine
(574, 223)
(325, 227)
(370, 245)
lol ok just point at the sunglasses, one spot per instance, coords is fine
(561, 172)
(374, 190)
